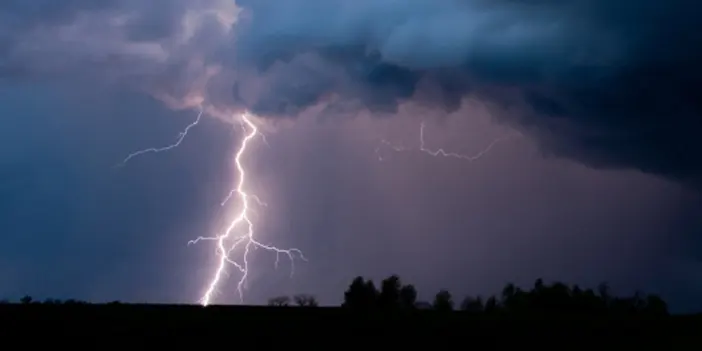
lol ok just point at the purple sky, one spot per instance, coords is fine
(599, 181)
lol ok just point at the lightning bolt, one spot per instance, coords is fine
(181, 137)
(439, 152)
(229, 241)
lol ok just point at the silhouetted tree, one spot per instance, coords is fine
(513, 298)
(491, 305)
(561, 298)
(558, 298)
(508, 291)
(604, 292)
(361, 295)
(279, 301)
(538, 285)
(638, 301)
(389, 297)
(656, 306)
(554, 298)
(303, 300)
(408, 297)
(472, 304)
(443, 301)
(26, 299)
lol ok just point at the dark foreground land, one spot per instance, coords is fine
(230, 327)
(551, 316)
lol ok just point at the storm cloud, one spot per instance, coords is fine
(612, 84)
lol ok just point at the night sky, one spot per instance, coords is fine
(597, 177)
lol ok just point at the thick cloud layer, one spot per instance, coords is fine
(610, 83)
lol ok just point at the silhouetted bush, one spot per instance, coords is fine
(303, 300)
(279, 301)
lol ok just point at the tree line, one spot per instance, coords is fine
(392, 295)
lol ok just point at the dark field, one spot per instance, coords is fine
(237, 327)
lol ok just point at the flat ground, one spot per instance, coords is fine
(234, 326)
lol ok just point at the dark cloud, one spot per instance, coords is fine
(609, 83)
(612, 84)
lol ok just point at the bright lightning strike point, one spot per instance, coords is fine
(181, 137)
(228, 241)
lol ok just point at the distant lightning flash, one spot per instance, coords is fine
(228, 242)
(439, 152)
(181, 136)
